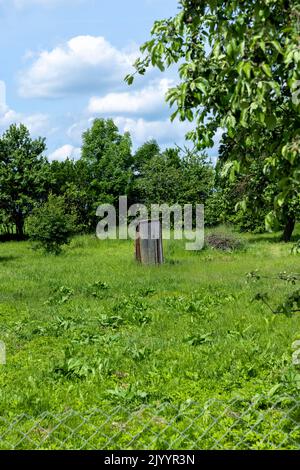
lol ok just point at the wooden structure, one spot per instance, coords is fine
(148, 244)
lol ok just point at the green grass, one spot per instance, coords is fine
(92, 329)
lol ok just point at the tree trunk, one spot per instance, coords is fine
(289, 228)
(20, 227)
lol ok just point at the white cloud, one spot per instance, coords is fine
(36, 123)
(7, 117)
(164, 131)
(75, 131)
(64, 152)
(218, 136)
(83, 64)
(141, 130)
(145, 101)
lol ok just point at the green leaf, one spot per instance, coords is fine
(277, 47)
(160, 65)
(262, 45)
(174, 115)
(189, 115)
(231, 121)
(247, 68)
(230, 169)
(271, 222)
(241, 205)
(129, 79)
(201, 86)
(271, 121)
(274, 390)
(266, 68)
(279, 200)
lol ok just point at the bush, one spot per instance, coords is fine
(223, 242)
(50, 226)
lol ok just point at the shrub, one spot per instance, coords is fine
(50, 226)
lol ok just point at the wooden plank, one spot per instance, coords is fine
(148, 247)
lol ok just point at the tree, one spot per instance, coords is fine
(254, 188)
(143, 154)
(50, 226)
(160, 179)
(24, 174)
(70, 179)
(197, 178)
(171, 177)
(107, 155)
(101, 175)
(239, 71)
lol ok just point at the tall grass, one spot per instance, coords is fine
(92, 327)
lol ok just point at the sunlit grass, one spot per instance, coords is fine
(91, 326)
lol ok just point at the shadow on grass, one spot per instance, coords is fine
(271, 239)
(7, 259)
(11, 237)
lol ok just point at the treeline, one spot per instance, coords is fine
(108, 168)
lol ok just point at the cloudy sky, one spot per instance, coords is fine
(63, 62)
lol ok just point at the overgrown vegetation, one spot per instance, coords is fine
(50, 227)
(108, 169)
(92, 328)
(86, 329)
(239, 70)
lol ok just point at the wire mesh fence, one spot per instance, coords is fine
(262, 423)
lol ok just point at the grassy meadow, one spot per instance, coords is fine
(93, 329)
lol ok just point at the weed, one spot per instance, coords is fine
(198, 339)
(138, 354)
(97, 289)
(177, 333)
(113, 321)
(60, 295)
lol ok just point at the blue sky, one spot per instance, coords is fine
(63, 63)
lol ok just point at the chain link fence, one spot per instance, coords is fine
(263, 423)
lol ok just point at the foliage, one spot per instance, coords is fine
(197, 178)
(24, 175)
(107, 155)
(239, 71)
(290, 304)
(174, 176)
(246, 199)
(102, 174)
(106, 170)
(185, 332)
(296, 247)
(50, 226)
(70, 179)
(160, 179)
(144, 154)
(214, 209)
